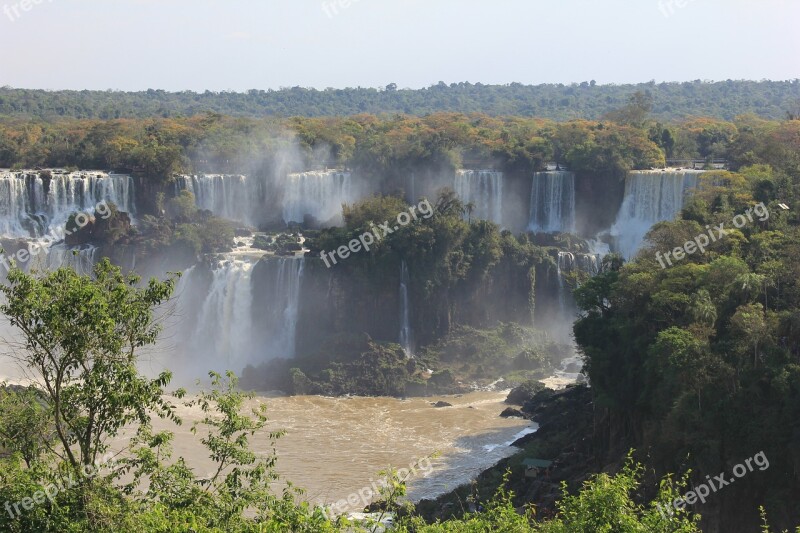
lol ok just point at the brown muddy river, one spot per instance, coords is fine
(334, 447)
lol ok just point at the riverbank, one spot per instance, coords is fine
(564, 420)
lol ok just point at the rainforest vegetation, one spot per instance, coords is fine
(587, 100)
(385, 146)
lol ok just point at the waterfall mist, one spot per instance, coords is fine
(241, 308)
(319, 195)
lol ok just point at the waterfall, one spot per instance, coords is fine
(33, 203)
(563, 265)
(569, 263)
(234, 197)
(219, 307)
(80, 258)
(319, 194)
(226, 333)
(405, 312)
(290, 275)
(221, 339)
(43, 256)
(650, 197)
(552, 202)
(483, 189)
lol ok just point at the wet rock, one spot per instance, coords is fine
(525, 392)
(442, 404)
(510, 412)
(262, 242)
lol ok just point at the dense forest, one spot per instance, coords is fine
(698, 363)
(381, 147)
(587, 100)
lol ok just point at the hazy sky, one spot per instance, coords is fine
(244, 44)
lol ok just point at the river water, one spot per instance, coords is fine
(334, 447)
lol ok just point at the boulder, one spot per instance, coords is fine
(525, 392)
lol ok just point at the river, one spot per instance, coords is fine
(334, 447)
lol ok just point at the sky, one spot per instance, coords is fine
(268, 44)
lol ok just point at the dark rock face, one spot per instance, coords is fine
(510, 412)
(12, 246)
(113, 229)
(525, 392)
(565, 421)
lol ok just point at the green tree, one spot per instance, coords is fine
(751, 325)
(24, 422)
(81, 337)
(605, 503)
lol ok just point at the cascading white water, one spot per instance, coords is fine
(569, 264)
(650, 197)
(319, 194)
(31, 203)
(226, 334)
(563, 266)
(80, 258)
(231, 196)
(484, 190)
(552, 202)
(222, 335)
(405, 313)
(282, 323)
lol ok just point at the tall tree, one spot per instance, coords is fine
(81, 337)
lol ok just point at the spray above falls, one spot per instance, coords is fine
(231, 196)
(319, 194)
